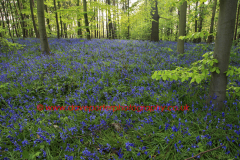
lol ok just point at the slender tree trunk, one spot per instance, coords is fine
(235, 35)
(22, 19)
(200, 21)
(196, 22)
(6, 17)
(177, 26)
(79, 22)
(59, 7)
(107, 21)
(14, 23)
(224, 38)
(182, 27)
(114, 22)
(155, 22)
(110, 23)
(56, 15)
(128, 33)
(33, 20)
(48, 21)
(42, 29)
(86, 19)
(210, 37)
(102, 21)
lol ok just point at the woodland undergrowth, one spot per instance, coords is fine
(111, 72)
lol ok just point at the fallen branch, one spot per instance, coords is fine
(204, 152)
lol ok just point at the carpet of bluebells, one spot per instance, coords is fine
(110, 72)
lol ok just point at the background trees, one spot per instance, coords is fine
(125, 19)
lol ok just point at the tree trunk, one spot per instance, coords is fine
(61, 24)
(56, 15)
(86, 19)
(224, 38)
(102, 21)
(6, 17)
(235, 35)
(110, 23)
(155, 22)
(42, 29)
(79, 22)
(33, 20)
(107, 21)
(22, 19)
(196, 24)
(182, 27)
(128, 33)
(200, 21)
(14, 23)
(210, 37)
(48, 21)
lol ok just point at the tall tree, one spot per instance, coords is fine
(200, 20)
(56, 15)
(182, 27)
(79, 21)
(22, 19)
(33, 20)
(128, 33)
(6, 17)
(196, 21)
(235, 35)
(110, 22)
(61, 23)
(86, 19)
(155, 22)
(42, 29)
(224, 38)
(210, 37)
(48, 21)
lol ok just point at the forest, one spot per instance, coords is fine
(170, 67)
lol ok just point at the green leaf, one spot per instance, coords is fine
(193, 79)
(164, 77)
(213, 69)
(218, 71)
(198, 80)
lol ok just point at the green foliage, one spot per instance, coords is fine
(198, 72)
(6, 46)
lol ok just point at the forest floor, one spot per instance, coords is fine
(111, 73)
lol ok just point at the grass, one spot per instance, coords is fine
(110, 72)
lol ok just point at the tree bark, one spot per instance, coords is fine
(210, 37)
(48, 21)
(56, 15)
(235, 35)
(22, 19)
(33, 20)
(182, 27)
(61, 24)
(200, 21)
(155, 22)
(224, 38)
(128, 33)
(86, 19)
(42, 29)
(110, 23)
(196, 22)
(79, 22)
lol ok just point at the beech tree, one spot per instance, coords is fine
(42, 28)
(210, 37)
(155, 22)
(182, 27)
(224, 38)
(86, 19)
